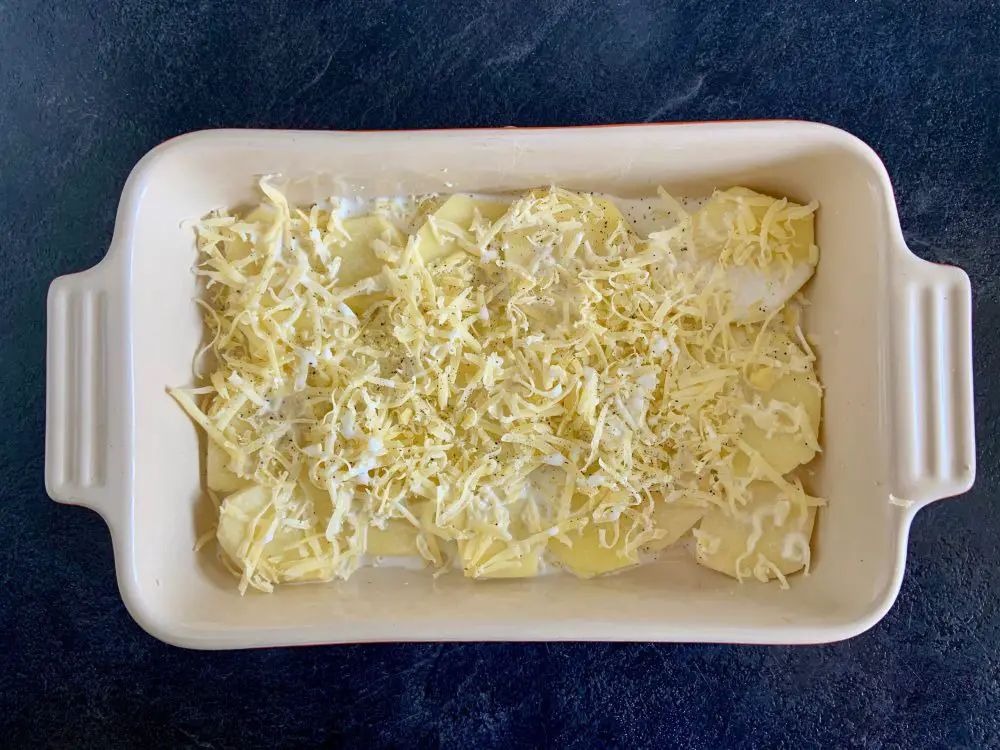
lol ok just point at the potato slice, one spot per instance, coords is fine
(598, 227)
(485, 565)
(459, 210)
(587, 557)
(546, 485)
(518, 248)
(264, 214)
(236, 512)
(782, 538)
(397, 539)
(357, 259)
(756, 292)
(276, 561)
(676, 519)
(501, 559)
(710, 224)
(598, 230)
(320, 499)
(439, 542)
(783, 450)
(218, 476)
(482, 558)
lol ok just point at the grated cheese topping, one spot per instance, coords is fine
(504, 385)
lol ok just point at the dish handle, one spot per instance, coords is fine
(934, 455)
(88, 409)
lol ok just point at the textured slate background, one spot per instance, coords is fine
(87, 88)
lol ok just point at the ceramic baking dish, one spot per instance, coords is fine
(895, 355)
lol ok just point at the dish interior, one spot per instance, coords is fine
(856, 542)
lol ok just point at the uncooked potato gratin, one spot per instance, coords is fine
(507, 385)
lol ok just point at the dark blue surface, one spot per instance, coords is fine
(86, 89)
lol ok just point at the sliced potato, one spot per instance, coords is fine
(219, 477)
(357, 259)
(546, 484)
(587, 557)
(461, 211)
(725, 541)
(437, 540)
(235, 249)
(495, 560)
(783, 450)
(486, 565)
(756, 292)
(598, 229)
(676, 519)
(501, 559)
(276, 561)
(397, 539)
(320, 499)
(237, 512)
(264, 213)
(710, 223)
(518, 248)
(361, 302)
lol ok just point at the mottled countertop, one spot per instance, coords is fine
(87, 87)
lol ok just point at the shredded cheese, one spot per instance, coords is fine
(491, 380)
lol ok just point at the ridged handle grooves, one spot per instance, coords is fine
(932, 361)
(87, 453)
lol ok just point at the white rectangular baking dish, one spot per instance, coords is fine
(895, 349)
